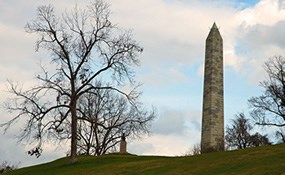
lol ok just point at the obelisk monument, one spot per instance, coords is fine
(213, 98)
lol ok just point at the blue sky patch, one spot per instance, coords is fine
(246, 3)
(241, 4)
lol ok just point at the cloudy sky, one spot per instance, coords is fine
(173, 34)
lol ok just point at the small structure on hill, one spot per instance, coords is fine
(123, 145)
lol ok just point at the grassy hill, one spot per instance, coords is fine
(262, 160)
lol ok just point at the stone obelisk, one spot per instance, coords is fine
(213, 99)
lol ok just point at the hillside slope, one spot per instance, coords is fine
(263, 160)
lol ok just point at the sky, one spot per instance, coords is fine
(173, 34)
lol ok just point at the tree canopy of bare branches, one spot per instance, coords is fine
(6, 167)
(280, 135)
(88, 53)
(269, 108)
(107, 116)
(238, 135)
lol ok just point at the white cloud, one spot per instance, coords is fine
(173, 133)
(253, 35)
(161, 145)
(171, 32)
(170, 122)
(267, 12)
(162, 76)
(261, 36)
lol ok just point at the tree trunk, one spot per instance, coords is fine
(73, 155)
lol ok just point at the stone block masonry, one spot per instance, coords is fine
(213, 98)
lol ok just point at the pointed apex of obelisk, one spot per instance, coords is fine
(214, 32)
(214, 26)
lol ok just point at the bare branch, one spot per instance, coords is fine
(269, 108)
(85, 48)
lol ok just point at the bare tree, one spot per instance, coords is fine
(106, 117)
(238, 135)
(6, 166)
(196, 149)
(259, 140)
(269, 108)
(280, 134)
(85, 48)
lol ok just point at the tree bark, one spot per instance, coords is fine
(73, 153)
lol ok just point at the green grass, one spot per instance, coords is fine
(258, 161)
